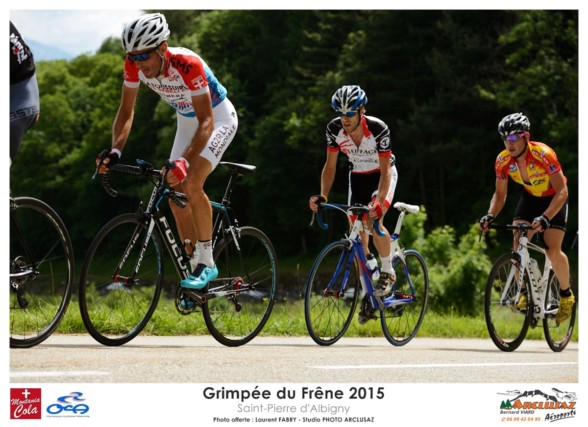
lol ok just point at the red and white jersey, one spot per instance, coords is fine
(374, 144)
(186, 75)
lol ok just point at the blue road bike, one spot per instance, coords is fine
(339, 275)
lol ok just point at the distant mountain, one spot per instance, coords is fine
(42, 52)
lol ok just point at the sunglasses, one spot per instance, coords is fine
(347, 114)
(514, 137)
(140, 57)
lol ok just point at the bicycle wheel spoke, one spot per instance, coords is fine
(557, 334)
(401, 323)
(41, 270)
(331, 294)
(246, 298)
(506, 324)
(116, 307)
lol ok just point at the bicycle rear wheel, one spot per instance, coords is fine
(41, 271)
(331, 293)
(557, 335)
(120, 282)
(401, 323)
(506, 324)
(245, 291)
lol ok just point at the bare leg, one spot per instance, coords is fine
(559, 261)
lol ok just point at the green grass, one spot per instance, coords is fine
(287, 319)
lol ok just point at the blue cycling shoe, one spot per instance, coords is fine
(202, 275)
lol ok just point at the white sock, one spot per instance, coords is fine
(386, 266)
(194, 256)
(205, 253)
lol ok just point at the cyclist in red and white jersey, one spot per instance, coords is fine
(543, 202)
(365, 140)
(206, 125)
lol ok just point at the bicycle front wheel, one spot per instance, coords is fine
(557, 335)
(120, 283)
(244, 293)
(401, 322)
(506, 324)
(41, 271)
(331, 293)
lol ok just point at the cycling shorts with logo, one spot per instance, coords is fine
(225, 128)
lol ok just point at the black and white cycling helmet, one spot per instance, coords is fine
(514, 123)
(146, 32)
(348, 98)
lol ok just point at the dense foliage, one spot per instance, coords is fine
(441, 80)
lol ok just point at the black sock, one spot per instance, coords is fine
(565, 292)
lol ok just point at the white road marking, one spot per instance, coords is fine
(443, 365)
(58, 374)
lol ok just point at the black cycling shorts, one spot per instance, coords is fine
(363, 187)
(24, 110)
(530, 207)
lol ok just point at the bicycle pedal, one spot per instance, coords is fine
(187, 302)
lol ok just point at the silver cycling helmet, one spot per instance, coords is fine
(348, 98)
(514, 123)
(146, 32)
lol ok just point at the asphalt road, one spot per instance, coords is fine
(198, 359)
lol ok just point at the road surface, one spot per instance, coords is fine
(200, 359)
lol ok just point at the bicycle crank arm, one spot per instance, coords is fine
(199, 299)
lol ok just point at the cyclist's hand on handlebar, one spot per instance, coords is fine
(541, 223)
(179, 171)
(106, 159)
(376, 210)
(315, 200)
(485, 222)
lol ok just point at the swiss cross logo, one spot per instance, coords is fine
(25, 403)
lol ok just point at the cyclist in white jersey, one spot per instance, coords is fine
(206, 125)
(372, 171)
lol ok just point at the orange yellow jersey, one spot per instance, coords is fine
(541, 162)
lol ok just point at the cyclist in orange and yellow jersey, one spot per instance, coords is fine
(543, 202)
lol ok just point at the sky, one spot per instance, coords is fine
(78, 31)
(73, 31)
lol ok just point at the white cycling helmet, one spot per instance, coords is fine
(348, 98)
(514, 123)
(146, 32)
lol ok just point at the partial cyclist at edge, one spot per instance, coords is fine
(24, 91)
(206, 124)
(372, 171)
(543, 202)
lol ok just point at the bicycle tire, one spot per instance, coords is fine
(558, 335)
(332, 293)
(401, 323)
(248, 271)
(115, 312)
(39, 300)
(506, 324)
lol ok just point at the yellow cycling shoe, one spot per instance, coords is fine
(522, 302)
(565, 308)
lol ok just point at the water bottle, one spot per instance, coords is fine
(372, 265)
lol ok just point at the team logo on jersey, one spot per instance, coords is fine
(385, 144)
(199, 82)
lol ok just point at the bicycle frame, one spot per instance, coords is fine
(538, 291)
(357, 252)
